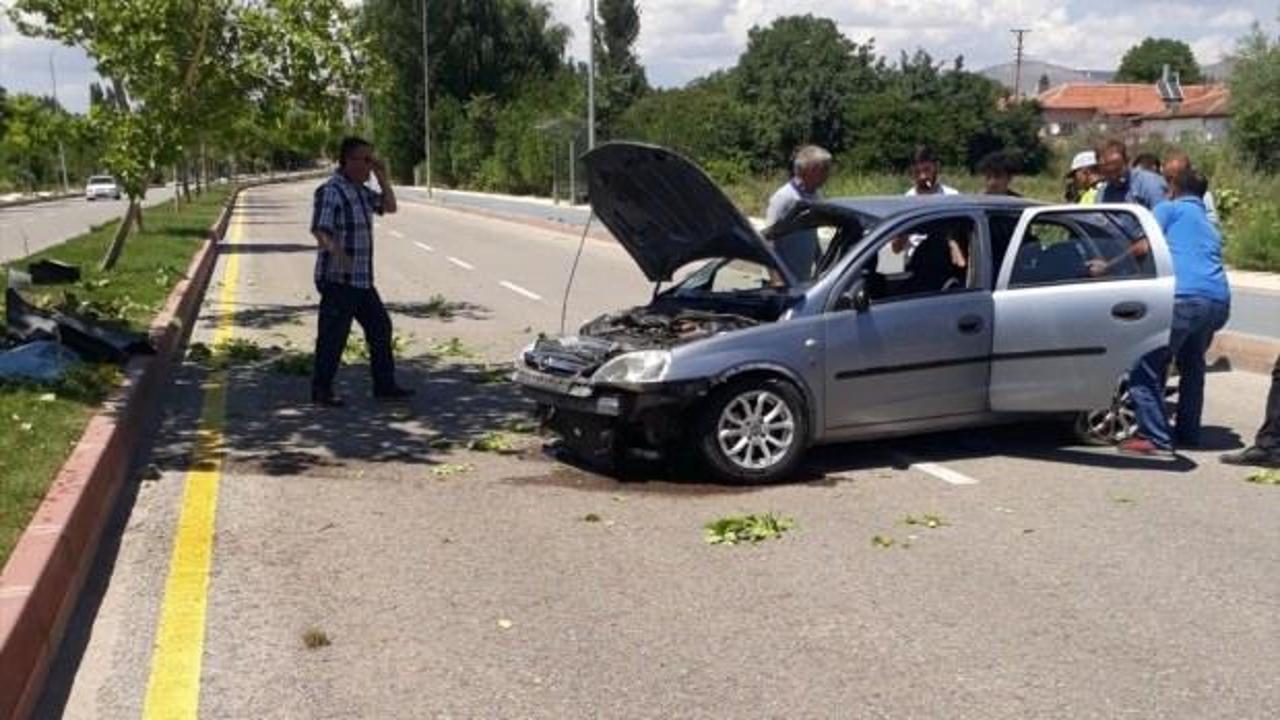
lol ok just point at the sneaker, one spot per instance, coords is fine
(1253, 456)
(394, 393)
(1142, 447)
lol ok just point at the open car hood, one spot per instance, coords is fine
(667, 213)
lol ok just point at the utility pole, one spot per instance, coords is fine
(62, 154)
(426, 100)
(591, 74)
(1017, 72)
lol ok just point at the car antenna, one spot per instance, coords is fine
(564, 304)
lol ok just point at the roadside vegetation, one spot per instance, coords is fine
(40, 424)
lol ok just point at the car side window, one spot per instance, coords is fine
(924, 259)
(1080, 247)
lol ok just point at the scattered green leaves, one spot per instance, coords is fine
(929, 521)
(1265, 477)
(592, 518)
(314, 639)
(734, 529)
(451, 469)
(882, 541)
(491, 375)
(452, 348)
(293, 362)
(495, 442)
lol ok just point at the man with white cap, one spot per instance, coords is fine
(1082, 178)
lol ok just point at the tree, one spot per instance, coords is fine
(799, 76)
(1255, 85)
(1144, 62)
(179, 68)
(620, 79)
(1044, 84)
(479, 48)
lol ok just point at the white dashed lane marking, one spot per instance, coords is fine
(520, 291)
(396, 234)
(945, 474)
(461, 263)
(424, 246)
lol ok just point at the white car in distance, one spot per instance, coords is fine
(101, 186)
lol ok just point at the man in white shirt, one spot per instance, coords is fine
(924, 169)
(799, 250)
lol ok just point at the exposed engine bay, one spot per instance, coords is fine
(660, 325)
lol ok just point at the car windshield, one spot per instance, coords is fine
(102, 180)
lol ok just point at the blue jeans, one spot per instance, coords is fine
(1195, 320)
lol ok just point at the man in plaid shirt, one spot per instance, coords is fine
(342, 223)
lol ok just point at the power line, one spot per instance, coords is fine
(1017, 71)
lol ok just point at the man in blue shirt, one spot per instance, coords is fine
(1202, 303)
(1123, 184)
(342, 223)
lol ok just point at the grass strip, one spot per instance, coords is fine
(41, 424)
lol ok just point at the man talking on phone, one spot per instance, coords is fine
(342, 223)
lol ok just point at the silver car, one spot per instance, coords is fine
(923, 314)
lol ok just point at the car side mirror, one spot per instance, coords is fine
(854, 299)
(861, 301)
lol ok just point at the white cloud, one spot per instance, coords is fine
(683, 39)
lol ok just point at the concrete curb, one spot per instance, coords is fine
(41, 582)
(38, 200)
(1244, 352)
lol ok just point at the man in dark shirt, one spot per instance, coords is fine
(342, 223)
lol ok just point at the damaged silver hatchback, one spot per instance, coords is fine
(923, 314)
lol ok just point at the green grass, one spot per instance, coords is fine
(37, 432)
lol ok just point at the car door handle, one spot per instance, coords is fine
(969, 324)
(1129, 310)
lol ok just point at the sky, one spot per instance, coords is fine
(684, 39)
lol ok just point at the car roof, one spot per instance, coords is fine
(885, 206)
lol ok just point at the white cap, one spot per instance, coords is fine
(1084, 159)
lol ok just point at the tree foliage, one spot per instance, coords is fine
(1144, 62)
(620, 78)
(1255, 85)
(180, 71)
(495, 74)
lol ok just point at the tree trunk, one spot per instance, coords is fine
(177, 196)
(117, 243)
(137, 215)
(186, 180)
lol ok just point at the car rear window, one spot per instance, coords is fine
(101, 180)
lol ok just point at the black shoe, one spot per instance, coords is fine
(1253, 456)
(326, 399)
(394, 393)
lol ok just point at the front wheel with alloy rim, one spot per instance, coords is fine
(753, 431)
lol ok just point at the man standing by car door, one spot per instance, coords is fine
(799, 250)
(342, 223)
(1202, 303)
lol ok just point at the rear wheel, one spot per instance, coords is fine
(753, 431)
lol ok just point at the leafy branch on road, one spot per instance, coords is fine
(1265, 477)
(753, 528)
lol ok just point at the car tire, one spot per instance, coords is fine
(1117, 423)
(768, 414)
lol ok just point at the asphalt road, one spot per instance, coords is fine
(27, 229)
(1065, 582)
(1253, 311)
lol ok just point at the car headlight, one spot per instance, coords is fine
(634, 367)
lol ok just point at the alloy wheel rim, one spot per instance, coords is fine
(756, 430)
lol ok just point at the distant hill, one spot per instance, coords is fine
(1032, 70)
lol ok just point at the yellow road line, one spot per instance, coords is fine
(173, 690)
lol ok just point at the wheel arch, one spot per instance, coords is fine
(766, 370)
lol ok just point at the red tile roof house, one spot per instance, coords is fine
(1136, 109)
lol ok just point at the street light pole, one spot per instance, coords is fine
(62, 154)
(426, 99)
(591, 74)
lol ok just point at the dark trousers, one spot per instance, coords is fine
(1269, 435)
(1195, 320)
(339, 305)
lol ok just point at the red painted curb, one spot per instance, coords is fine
(41, 582)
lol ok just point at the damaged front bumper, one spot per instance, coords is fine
(598, 422)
